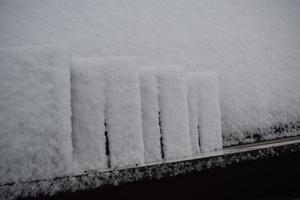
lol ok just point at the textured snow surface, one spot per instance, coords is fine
(123, 111)
(165, 112)
(253, 45)
(35, 113)
(88, 101)
(172, 100)
(193, 112)
(150, 118)
(204, 109)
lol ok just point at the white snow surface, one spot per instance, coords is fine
(193, 112)
(35, 113)
(174, 116)
(253, 45)
(205, 114)
(123, 111)
(150, 120)
(88, 101)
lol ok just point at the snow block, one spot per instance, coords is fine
(88, 100)
(205, 114)
(193, 112)
(35, 113)
(150, 122)
(174, 112)
(123, 111)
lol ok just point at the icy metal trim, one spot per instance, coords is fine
(96, 179)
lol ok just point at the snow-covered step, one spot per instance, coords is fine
(174, 112)
(166, 87)
(109, 120)
(35, 113)
(123, 111)
(107, 125)
(204, 111)
(88, 101)
(150, 119)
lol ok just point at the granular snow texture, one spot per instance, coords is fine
(173, 106)
(253, 45)
(88, 100)
(35, 113)
(193, 112)
(204, 107)
(150, 118)
(123, 111)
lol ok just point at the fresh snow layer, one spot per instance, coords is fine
(123, 111)
(253, 45)
(150, 118)
(193, 111)
(88, 100)
(204, 107)
(173, 106)
(35, 113)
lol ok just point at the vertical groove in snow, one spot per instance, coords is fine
(194, 126)
(106, 142)
(106, 125)
(204, 94)
(88, 101)
(124, 117)
(72, 115)
(161, 139)
(161, 136)
(198, 131)
(160, 122)
(174, 111)
(150, 116)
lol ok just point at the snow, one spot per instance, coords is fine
(150, 119)
(253, 45)
(165, 112)
(35, 117)
(88, 100)
(193, 112)
(172, 100)
(123, 111)
(205, 114)
(110, 94)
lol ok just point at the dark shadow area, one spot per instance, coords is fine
(274, 178)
